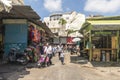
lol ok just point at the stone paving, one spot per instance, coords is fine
(75, 68)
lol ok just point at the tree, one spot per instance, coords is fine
(62, 22)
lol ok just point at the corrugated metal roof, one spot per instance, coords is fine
(25, 12)
(19, 12)
(106, 27)
(45, 27)
(104, 18)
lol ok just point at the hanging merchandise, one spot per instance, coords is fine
(34, 34)
(31, 33)
(35, 39)
(38, 36)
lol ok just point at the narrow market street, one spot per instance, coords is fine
(72, 71)
(59, 40)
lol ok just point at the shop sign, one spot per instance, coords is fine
(108, 33)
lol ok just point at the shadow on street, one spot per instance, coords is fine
(12, 71)
(105, 64)
(78, 60)
(82, 60)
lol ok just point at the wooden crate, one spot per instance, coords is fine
(96, 55)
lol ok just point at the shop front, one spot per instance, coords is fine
(104, 45)
(15, 34)
(101, 39)
(14, 27)
(22, 29)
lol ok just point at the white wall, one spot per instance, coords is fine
(18, 2)
(74, 22)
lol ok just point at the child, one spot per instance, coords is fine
(62, 55)
(41, 62)
(47, 60)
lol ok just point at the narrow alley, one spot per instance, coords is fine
(72, 71)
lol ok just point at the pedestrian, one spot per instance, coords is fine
(59, 50)
(62, 55)
(49, 53)
(53, 50)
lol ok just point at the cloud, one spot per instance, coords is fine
(53, 5)
(104, 6)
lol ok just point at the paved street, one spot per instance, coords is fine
(72, 71)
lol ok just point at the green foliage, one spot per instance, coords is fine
(71, 31)
(86, 26)
(62, 21)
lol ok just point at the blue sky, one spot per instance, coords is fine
(103, 7)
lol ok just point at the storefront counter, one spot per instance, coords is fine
(104, 54)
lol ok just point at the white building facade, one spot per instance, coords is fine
(17, 2)
(74, 22)
(7, 4)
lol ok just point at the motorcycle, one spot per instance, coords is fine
(15, 56)
(28, 54)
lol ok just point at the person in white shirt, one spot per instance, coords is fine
(62, 55)
(49, 53)
(59, 50)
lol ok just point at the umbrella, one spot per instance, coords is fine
(76, 39)
(5, 5)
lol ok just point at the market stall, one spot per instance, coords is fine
(101, 38)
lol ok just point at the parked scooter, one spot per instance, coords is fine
(15, 56)
(28, 53)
